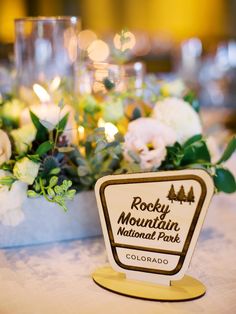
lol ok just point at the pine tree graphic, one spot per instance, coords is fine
(181, 196)
(190, 196)
(171, 195)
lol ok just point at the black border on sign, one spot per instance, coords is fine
(183, 253)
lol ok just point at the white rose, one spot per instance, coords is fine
(11, 201)
(52, 114)
(5, 147)
(143, 133)
(26, 170)
(23, 137)
(180, 116)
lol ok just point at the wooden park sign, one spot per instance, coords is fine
(151, 223)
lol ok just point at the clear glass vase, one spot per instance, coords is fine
(46, 51)
(120, 78)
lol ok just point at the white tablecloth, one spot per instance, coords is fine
(56, 278)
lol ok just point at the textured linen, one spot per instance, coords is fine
(56, 278)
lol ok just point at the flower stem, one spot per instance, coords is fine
(43, 190)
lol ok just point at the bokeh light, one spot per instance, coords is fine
(129, 44)
(85, 38)
(98, 51)
(110, 129)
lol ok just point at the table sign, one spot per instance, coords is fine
(151, 223)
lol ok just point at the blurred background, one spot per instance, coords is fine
(192, 39)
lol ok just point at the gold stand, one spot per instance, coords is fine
(185, 289)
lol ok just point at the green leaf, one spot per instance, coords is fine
(51, 193)
(197, 152)
(53, 181)
(42, 132)
(58, 189)
(32, 193)
(193, 101)
(66, 184)
(70, 194)
(230, 149)
(7, 180)
(55, 171)
(44, 148)
(62, 123)
(192, 140)
(224, 181)
(35, 120)
(34, 158)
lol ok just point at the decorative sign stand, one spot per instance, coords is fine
(151, 223)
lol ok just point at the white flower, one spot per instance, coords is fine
(51, 114)
(180, 116)
(26, 170)
(5, 147)
(143, 133)
(11, 201)
(23, 137)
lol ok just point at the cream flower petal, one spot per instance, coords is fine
(178, 115)
(143, 132)
(5, 147)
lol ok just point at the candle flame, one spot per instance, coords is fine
(81, 132)
(41, 93)
(55, 83)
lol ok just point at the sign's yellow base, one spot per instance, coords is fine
(185, 289)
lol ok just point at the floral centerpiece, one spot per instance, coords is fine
(55, 151)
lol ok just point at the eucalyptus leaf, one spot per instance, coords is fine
(100, 146)
(134, 156)
(83, 171)
(67, 149)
